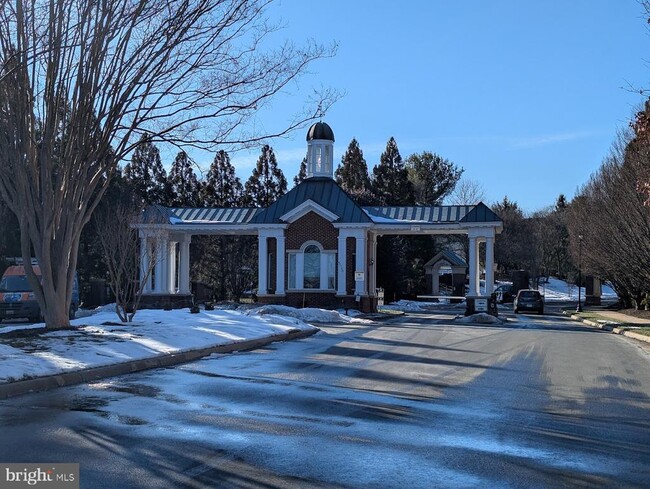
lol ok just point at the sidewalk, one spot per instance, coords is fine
(616, 318)
(625, 318)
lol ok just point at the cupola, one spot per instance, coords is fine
(320, 151)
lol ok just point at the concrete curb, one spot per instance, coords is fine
(38, 384)
(611, 329)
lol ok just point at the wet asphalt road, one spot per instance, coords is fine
(416, 402)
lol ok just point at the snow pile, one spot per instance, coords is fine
(414, 306)
(101, 339)
(308, 314)
(479, 318)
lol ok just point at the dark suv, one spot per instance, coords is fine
(529, 300)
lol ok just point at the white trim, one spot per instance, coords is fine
(305, 208)
(309, 243)
(300, 268)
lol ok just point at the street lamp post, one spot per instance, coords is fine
(579, 308)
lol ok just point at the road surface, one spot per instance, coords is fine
(417, 402)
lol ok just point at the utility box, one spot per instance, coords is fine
(520, 280)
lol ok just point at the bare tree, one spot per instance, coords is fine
(610, 216)
(81, 81)
(467, 192)
(120, 245)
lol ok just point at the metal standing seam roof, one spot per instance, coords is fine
(449, 256)
(432, 214)
(326, 193)
(422, 214)
(212, 215)
(322, 190)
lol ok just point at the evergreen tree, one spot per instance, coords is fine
(218, 259)
(145, 173)
(432, 177)
(267, 183)
(352, 175)
(302, 173)
(222, 187)
(183, 182)
(512, 247)
(391, 185)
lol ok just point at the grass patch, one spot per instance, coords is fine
(637, 330)
(390, 311)
(598, 318)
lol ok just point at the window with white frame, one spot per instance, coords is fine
(312, 268)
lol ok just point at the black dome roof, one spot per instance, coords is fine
(320, 130)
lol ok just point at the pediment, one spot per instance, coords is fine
(305, 208)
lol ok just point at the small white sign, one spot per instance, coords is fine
(415, 228)
(358, 276)
(480, 305)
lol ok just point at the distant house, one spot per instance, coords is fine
(316, 246)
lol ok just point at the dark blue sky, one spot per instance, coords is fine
(526, 96)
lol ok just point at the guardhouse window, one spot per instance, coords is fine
(312, 268)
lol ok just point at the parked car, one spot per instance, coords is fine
(17, 297)
(529, 300)
(504, 293)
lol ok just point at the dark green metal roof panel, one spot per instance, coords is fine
(325, 192)
(320, 130)
(481, 213)
(449, 256)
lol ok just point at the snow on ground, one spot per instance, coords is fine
(101, 339)
(416, 306)
(308, 314)
(556, 290)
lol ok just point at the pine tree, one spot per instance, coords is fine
(391, 185)
(352, 175)
(267, 183)
(302, 173)
(432, 177)
(184, 184)
(222, 187)
(145, 173)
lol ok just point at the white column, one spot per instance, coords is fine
(435, 281)
(372, 279)
(473, 266)
(360, 266)
(171, 264)
(341, 263)
(262, 259)
(144, 263)
(279, 265)
(164, 265)
(489, 266)
(184, 265)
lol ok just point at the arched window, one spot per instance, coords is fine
(312, 268)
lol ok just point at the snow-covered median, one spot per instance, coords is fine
(101, 339)
(417, 306)
(308, 314)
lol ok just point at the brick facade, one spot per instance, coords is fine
(311, 227)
